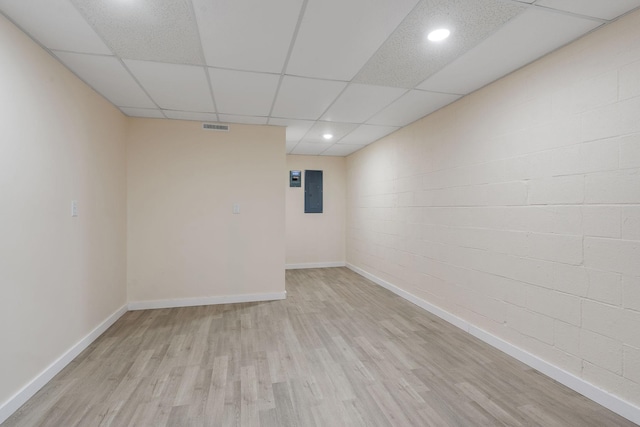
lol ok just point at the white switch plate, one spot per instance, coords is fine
(236, 208)
(74, 208)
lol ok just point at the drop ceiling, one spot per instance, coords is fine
(357, 69)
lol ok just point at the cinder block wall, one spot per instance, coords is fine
(517, 208)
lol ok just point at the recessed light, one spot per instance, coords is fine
(438, 35)
(328, 136)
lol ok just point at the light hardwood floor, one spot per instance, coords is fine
(339, 351)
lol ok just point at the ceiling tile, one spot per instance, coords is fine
(406, 58)
(296, 129)
(338, 130)
(189, 115)
(366, 134)
(142, 112)
(541, 31)
(107, 76)
(245, 34)
(249, 120)
(310, 148)
(173, 86)
(337, 37)
(158, 30)
(359, 102)
(301, 98)
(411, 107)
(596, 8)
(342, 149)
(55, 24)
(239, 92)
(290, 146)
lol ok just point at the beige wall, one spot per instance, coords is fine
(183, 239)
(317, 239)
(517, 208)
(60, 277)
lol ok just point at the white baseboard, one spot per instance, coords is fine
(445, 315)
(587, 389)
(17, 400)
(315, 265)
(190, 302)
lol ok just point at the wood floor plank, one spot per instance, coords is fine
(339, 351)
(285, 413)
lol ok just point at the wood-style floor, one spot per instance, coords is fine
(339, 351)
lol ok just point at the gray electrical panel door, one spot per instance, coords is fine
(312, 191)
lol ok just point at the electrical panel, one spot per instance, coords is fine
(312, 191)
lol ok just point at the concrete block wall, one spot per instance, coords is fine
(517, 208)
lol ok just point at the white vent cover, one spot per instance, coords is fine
(213, 126)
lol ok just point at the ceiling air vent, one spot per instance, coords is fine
(213, 126)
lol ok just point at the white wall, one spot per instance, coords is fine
(517, 208)
(60, 277)
(316, 239)
(184, 242)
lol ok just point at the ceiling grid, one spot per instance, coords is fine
(357, 70)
